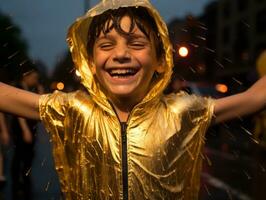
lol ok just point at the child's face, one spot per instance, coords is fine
(124, 65)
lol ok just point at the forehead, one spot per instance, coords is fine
(125, 27)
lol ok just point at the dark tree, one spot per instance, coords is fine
(13, 50)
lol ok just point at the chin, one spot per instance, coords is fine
(122, 93)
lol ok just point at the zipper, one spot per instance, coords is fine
(123, 126)
(124, 160)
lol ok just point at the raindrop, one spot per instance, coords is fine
(208, 160)
(207, 190)
(44, 160)
(203, 27)
(28, 172)
(262, 168)
(202, 38)
(23, 62)
(218, 63)
(13, 55)
(190, 154)
(183, 29)
(248, 176)
(193, 70)
(211, 50)
(246, 24)
(9, 27)
(239, 82)
(256, 141)
(229, 194)
(228, 60)
(47, 186)
(194, 45)
(247, 131)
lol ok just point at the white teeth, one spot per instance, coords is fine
(122, 72)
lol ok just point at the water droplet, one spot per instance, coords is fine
(218, 63)
(211, 50)
(237, 81)
(262, 168)
(44, 160)
(13, 55)
(202, 38)
(247, 131)
(229, 194)
(248, 176)
(193, 70)
(208, 160)
(207, 190)
(246, 24)
(47, 186)
(190, 154)
(28, 172)
(9, 27)
(194, 45)
(228, 60)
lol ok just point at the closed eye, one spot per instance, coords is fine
(137, 45)
(106, 45)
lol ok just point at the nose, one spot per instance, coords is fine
(121, 54)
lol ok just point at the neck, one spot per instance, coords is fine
(123, 107)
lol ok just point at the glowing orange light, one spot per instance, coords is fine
(221, 88)
(183, 51)
(60, 86)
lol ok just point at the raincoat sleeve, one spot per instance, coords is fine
(53, 108)
(201, 111)
(195, 112)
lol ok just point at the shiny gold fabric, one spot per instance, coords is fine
(165, 133)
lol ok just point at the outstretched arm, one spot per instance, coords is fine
(19, 102)
(250, 101)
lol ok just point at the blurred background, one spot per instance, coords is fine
(219, 50)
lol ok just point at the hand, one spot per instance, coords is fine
(4, 138)
(27, 137)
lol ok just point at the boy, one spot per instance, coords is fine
(122, 139)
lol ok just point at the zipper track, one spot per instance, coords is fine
(124, 160)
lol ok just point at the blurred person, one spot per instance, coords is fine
(23, 131)
(4, 140)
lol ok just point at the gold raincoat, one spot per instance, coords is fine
(164, 134)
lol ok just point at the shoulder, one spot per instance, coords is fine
(192, 106)
(61, 101)
(64, 98)
(184, 101)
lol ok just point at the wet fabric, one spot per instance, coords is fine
(165, 134)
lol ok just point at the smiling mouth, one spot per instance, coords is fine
(122, 72)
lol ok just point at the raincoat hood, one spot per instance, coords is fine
(77, 41)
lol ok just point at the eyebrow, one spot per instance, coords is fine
(130, 36)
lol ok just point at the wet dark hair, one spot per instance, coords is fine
(111, 19)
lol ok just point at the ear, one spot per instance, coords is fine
(160, 67)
